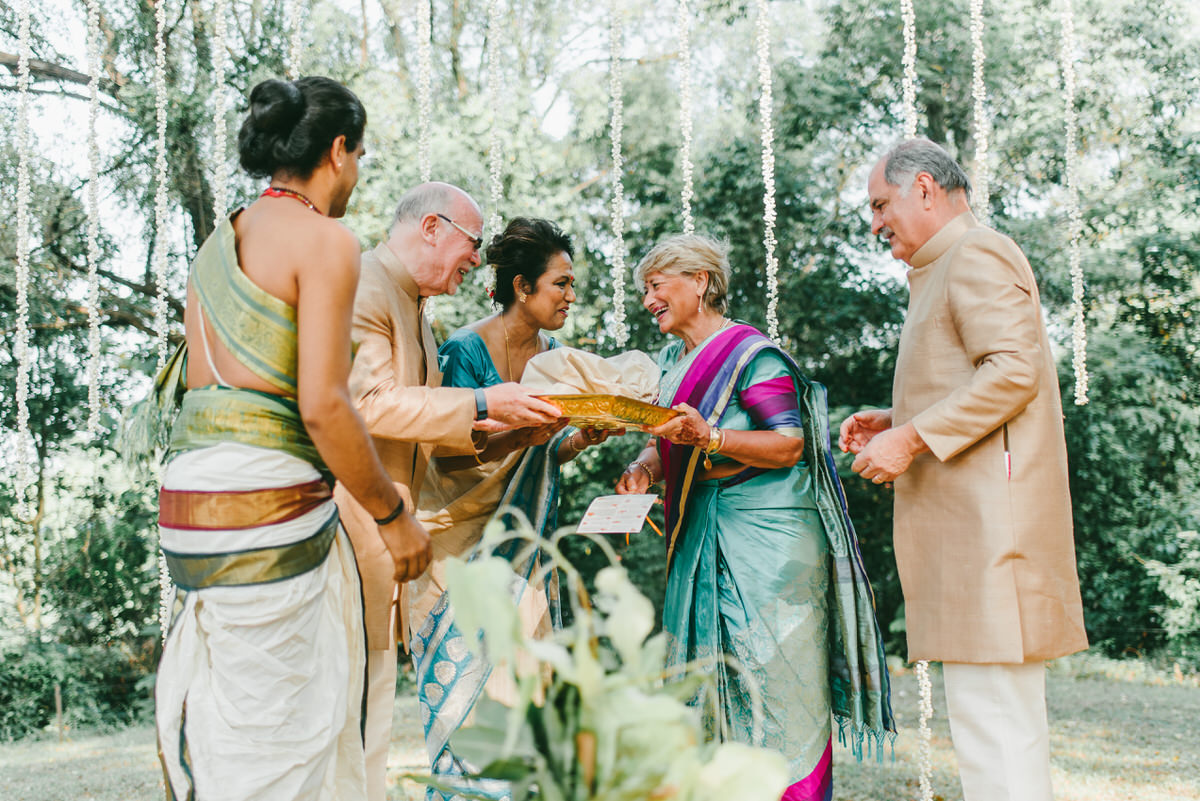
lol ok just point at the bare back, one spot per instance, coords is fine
(283, 248)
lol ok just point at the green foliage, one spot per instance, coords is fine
(100, 687)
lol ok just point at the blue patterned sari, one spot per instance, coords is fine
(450, 678)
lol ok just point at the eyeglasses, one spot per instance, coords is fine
(477, 241)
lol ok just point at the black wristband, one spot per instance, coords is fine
(480, 404)
(399, 510)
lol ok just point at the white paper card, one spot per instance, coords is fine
(616, 514)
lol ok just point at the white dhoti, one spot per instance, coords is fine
(260, 687)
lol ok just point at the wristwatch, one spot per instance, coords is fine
(480, 404)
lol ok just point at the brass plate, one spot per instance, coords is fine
(610, 411)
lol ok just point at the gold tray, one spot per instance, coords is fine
(610, 411)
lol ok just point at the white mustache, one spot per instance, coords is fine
(885, 232)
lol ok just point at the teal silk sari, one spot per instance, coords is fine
(764, 570)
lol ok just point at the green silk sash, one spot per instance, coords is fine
(254, 565)
(256, 327)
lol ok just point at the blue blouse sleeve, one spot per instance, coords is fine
(465, 362)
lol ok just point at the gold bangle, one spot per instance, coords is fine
(574, 447)
(645, 469)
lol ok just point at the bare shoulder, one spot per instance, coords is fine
(329, 249)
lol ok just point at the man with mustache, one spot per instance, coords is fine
(396, 385)
(974, 443)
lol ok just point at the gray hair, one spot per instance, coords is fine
(689, 254)
(430, 198)
(903, 162)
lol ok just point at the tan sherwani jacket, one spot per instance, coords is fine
(986, 558)
(395, 383)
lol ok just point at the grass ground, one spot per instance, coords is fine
(1114, 738)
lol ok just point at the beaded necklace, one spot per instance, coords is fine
(279, 191)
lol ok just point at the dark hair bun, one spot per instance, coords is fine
(524, 249)
(275, 106)
(292, 124)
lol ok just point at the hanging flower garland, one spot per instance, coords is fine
(1074, 214)
(221, 183)
(683, 23)
(765, 104)
(617, 101)
(925, 734)
(291, 69)
(424, 88)
(924, 687)
(92, 198)
(982, 125)
(21, 348)
(909, 64)
(495, 142)
(159, 257)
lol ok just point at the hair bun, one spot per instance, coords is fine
(276, 106)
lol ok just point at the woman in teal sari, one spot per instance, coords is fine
(516, 470)
(765, 582)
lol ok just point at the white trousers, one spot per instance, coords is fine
(1001, 735)
(381, 701)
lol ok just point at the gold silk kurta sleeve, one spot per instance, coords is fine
(985, 553)
(395, 384)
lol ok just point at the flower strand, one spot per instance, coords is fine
(909, 63)
(981, 123)
(159, 257)
(495, 22)
(1074, 213)
(765, 105)
(92, 198)
(21, 347)
(925, 734)
(221, 182)
(617, 102)
(683, 23)
(424, 88)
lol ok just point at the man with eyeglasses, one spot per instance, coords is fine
(433, 243)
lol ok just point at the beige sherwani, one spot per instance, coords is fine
(395, 385)
(983, 530)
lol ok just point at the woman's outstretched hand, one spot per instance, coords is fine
(634, 481)
(688, 428)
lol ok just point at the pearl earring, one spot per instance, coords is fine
(521, 297)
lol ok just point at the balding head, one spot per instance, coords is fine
(434, 197)
(436, 232)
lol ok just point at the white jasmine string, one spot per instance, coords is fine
(981, 123)
(909, 64)
(159, 257)
(24, 448)
(617, 103)
(765, 106)
(220, 182)
(683, 23)
(925, 734)
(92, 198)
(295, 42)
(495, 142)
(1074, 213)
(424, 87)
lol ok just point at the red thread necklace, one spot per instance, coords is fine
(279, 191)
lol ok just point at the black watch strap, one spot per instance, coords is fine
(480, 404)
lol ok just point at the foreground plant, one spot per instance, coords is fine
(597, 715)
